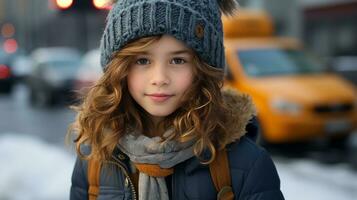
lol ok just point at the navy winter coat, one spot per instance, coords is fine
(254, 176)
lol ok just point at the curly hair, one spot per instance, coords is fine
(107, 109)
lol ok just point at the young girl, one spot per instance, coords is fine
(158, 118)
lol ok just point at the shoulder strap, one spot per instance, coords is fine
(94, 166)
(219, 170)
(221, 176)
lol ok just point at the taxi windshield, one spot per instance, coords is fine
(271, 62)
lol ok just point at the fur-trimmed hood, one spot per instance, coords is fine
(242, 110)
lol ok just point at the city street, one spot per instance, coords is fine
(32, 142)
(297, 60)
(19, 117)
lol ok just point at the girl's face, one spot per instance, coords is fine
(160, 75)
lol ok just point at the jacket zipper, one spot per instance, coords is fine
(120, 165)
(173, 193)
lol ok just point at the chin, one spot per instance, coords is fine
(160, 113)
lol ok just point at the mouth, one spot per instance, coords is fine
(159, 97)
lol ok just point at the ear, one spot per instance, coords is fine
(228, 6)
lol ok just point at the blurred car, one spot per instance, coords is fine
(52, 75)
(7, 79)
(89, 72)
(296, 99)
(21, 67)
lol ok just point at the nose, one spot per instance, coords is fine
(160, 75)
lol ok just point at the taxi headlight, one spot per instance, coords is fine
(284, 106)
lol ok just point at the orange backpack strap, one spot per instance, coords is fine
(219, 169)
(221, 176)
(93, 178)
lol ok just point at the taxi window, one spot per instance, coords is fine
(271, 62)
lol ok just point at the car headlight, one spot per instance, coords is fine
(285, 106)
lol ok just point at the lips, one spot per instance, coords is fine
(159, 97)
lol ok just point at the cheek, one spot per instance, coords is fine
(184, 81)
(134, 83)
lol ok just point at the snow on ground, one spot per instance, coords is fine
(309, 180)
(31, 169)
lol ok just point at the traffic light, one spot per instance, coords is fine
(82, 5)
(63, 4)
(101, 4)
(10, 46)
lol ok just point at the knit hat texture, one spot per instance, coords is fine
(197, 23)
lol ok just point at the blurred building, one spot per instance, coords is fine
(327, 26)
(331, 27)
(38, 23)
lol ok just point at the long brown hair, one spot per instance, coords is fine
(107, 110)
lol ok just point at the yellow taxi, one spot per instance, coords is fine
(296, 98)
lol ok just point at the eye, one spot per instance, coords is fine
(142, 61)
(178, 61)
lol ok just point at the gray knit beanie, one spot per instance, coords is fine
(197, 23)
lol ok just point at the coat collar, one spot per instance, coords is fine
(241, 109)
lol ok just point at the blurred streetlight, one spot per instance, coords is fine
(7, 30)
(64, 4)
(101, 4)
(82, 5)
(10, 46)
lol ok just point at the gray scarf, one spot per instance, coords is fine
(142, 149)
